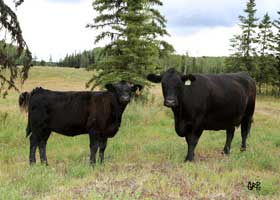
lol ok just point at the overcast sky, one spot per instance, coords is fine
(201, 27)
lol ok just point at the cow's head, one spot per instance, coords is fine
(23, 101)
(123, 90)
(171, 82)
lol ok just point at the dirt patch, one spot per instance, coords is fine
(269, 111)
(149, 185)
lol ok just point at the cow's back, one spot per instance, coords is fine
(221, 100)
(69, 113)
(62, 112)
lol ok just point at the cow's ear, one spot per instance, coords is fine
(188, 77)
(110, 87)
(154, 78)
(135, 87)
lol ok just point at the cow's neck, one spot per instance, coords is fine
(122, 107)
(180, 122)
(179, 108)
(177, 111)
(119, 109)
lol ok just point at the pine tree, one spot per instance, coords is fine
(265, 71)
(133, 28)
(50, 61)
(164, 57)
(244, 44)
(276, 49)
(84, 61)
(10, 28)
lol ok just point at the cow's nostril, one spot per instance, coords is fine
(125, 98)
(170, 102)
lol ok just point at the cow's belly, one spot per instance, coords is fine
(68, 126)
(222, 121)
(224, 113)
(70, 131)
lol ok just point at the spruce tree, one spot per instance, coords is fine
(11, 36)
(265, 71)
(133, 28)
(276, 49)
(244, 44)
(84, 61)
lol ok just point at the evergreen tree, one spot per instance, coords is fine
(42, 63)
(133, 28)
(244, 44)
(265, 71)
(34, 60)
(184, 64)
(91, 58)
(265, 36)
(10, 28)
(84, 61)
(276, 49)
(165, 61)
(50, 61)
(77, 60)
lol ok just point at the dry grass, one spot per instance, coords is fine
(143, 161)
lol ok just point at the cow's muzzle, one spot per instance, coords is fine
(170, 102)
(125, 99)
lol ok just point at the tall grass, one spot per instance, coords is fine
(143, 161)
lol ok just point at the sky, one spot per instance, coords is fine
(53, 28)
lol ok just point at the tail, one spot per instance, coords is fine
(28, 129)
(23, 101)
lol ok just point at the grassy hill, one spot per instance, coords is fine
(143, 161)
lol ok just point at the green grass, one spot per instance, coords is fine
(143, 161)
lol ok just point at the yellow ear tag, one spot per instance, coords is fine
(138, 93)
(188, 82)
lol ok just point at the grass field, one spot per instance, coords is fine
(143, 161)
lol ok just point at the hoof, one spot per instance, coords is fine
(242, 149)
(92, 164)
(188, 160)
(44, 163)
(31, 163)
(225, 152)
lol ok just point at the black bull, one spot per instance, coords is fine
(73, 113)
(208, 102)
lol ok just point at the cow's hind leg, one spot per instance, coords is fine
(230, 134)
(94, 143)
(245, 130)
(33, 146)
(102, 147)
(192, 140)
(42, 149)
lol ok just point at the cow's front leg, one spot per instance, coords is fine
(192, 140)
(102, 147)
(93, 146)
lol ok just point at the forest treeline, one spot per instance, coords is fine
(135, 50)
(183, 63)
(255, 49)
